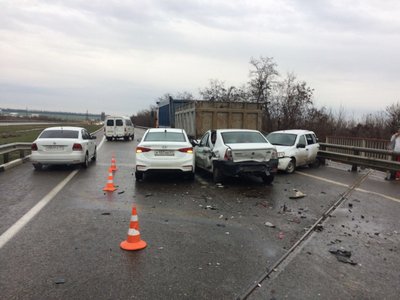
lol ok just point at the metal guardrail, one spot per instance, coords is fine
(6, 150)
(360, 156)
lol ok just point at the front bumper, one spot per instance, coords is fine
(229, 168)
(283, 163)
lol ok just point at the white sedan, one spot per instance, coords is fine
(164, 149)
(63, 146)
(296, 147)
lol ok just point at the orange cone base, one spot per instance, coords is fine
(109, 189)
(133, 246)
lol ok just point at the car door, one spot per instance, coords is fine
(301, 150)
(89, 144)
(203, 151)
(312, 147)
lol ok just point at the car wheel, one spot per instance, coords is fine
(85, 164)
(217, 176)
(267, 179)
(138, 175)
(109, 139)
(38, 167)
(315, 164)
(94, 155)
(191, 176)
(126, 138)
(291, 166)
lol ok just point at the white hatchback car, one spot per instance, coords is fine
(164, 149)
(295, 148)
(63, 146)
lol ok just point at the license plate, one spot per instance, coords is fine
(164, 153)
(55, 148)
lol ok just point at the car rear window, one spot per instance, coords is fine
(110, 122)
(239, 137)
(119, 122)
(282, 139)
(59, 134)
(165, 137)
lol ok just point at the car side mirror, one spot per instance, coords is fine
(194, 142)
(300, 146)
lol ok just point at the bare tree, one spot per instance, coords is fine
(262, 78)
(393, 117)
(219, 93)
(295, 101)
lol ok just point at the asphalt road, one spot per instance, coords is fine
(204, 241)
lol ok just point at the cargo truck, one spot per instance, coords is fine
(196, 117)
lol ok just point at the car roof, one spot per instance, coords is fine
(294, 131)
(235, 130)
(166, 129)
(65, 128)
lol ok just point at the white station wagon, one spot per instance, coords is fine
(295, 148)
(63, 146)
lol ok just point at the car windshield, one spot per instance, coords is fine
(165, 136)
(238, 137)
(59, 134)
(282, 139)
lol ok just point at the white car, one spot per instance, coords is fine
(63, 146)
(231, 152)
(295, 148)
(164, 149)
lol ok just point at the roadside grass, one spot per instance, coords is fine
(28, 133)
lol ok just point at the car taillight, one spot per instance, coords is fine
(142, 149)
(77, 147)
(34, 147)
(228, 154)
(186, 150)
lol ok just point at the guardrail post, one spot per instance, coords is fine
(354, 166)
(21, 153)
(6, 158)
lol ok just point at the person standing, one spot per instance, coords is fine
(395, 145)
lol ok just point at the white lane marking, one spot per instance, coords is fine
(101, 143)
(17, 226)
(346, 185)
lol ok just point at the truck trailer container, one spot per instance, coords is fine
(196, 117)
(166, 111)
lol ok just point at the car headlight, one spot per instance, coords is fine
(281, 154)
(274, 154)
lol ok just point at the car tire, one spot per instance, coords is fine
(315, 164)
(126, 138)
(267, 179)
(38, 167)
(138, 175)
(291, 166)
(94, 158)
(217, 176)
(191, 176)
(109, 139)
(85, 164)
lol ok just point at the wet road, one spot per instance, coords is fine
(204, 241)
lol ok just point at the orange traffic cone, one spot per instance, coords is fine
(133, 241)
(110, 184)
(113, 165)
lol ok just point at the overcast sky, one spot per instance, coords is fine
(119, 56)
